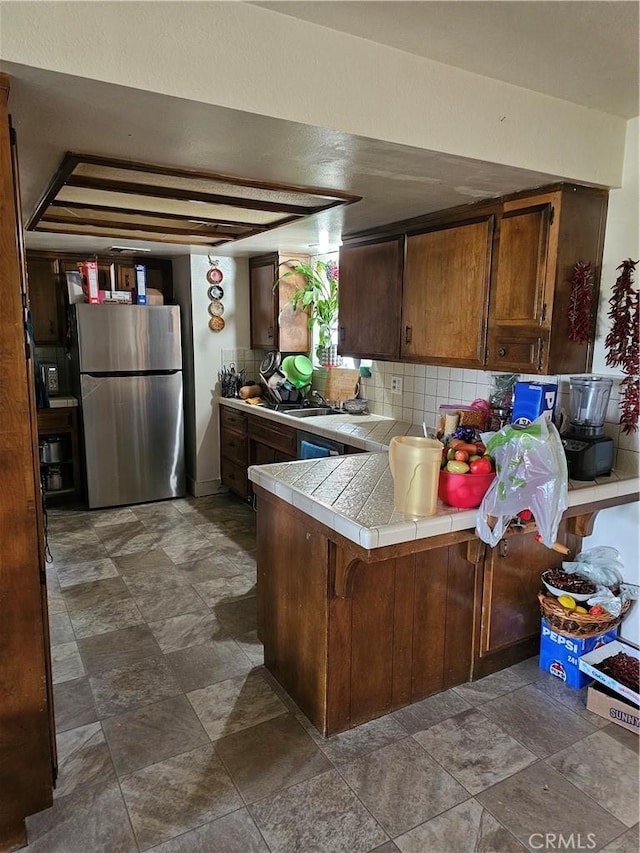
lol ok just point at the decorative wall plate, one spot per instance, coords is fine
(214, 276)
(216, 308)
(216, 324)
(215, 292)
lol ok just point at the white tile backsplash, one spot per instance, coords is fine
(422, 397)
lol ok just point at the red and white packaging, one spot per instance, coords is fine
(89, 270)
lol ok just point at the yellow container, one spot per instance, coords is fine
(415, 468)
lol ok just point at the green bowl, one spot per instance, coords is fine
(298, 369)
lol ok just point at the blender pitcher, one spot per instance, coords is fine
(588, 400)
(415, 468)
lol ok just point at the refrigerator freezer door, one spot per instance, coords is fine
(128, 338)
(133, 437)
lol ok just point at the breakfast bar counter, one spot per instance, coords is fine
(363, 610)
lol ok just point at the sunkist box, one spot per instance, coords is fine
(559, 654)
(605, 703)
(532, 399)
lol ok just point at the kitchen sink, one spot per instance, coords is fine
(313, 412)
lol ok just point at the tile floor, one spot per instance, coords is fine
(172, 737)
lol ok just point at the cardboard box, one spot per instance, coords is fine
(588, 665)
(141, 284)
(606, 704)
(89, 271)
(532, 399)
(560, 655)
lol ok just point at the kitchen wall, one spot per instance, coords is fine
(204, 356)
(620, 527)
(425, 388)
(262, 63)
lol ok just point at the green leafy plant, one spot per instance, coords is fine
(319, 295)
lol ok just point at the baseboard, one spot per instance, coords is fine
(202, 488)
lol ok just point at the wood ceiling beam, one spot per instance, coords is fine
(137, 226)
(178, 194)
(186, 217)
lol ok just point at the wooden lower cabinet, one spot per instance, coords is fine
(271, 442)
(510, 625)
(352, 638)
(352, 634)
(234, 451)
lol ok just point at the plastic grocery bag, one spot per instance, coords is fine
(601, 565)
(531, 474)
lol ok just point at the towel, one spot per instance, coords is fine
(312, 451)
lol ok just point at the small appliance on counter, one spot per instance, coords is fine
(50, 380)
(588, 450)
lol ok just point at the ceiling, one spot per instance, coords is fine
(394, 181)
(582, 51)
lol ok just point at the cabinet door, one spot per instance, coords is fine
(47, 304)
(510, 610)
(522, 288)
(262, 274)
(445, 295)
(370, 298)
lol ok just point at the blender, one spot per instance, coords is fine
(588, 450)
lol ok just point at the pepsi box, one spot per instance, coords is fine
(532, 399)
(559, 654)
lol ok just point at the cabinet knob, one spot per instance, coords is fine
(342, 334)
(270, 332)
(408, 334)
(502, 352)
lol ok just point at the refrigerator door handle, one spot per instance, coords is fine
(107, 374)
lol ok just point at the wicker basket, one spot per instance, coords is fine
(578, 625)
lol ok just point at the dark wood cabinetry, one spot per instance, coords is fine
(274, 323)
(353, 634)
(271, 442)
(48, 288)
(61, 477)
(446, 286)
(370, 293)
(510, 616)
(234, 454)
(541, 238)
(482, 286)
(46, 300)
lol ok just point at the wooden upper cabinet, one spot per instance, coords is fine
(370, 294)
(46, 301)
(274, 323)
(262, 274)
(541, 238)
(445, 293)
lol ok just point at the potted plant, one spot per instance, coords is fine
(319, 296)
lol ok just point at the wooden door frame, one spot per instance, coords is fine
(26, 756)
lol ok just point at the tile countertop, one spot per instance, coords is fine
(353, 494)
(366, 432)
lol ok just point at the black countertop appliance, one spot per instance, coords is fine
(588, 450)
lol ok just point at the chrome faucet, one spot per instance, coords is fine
(319, 396)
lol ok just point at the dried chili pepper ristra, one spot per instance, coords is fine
(622, 344)
(580, 313)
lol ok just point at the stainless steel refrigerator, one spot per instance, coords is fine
(128, 364)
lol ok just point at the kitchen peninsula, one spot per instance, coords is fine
(363, 610)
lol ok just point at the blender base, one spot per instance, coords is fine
(588, 457)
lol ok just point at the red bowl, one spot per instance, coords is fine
(463, 491)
